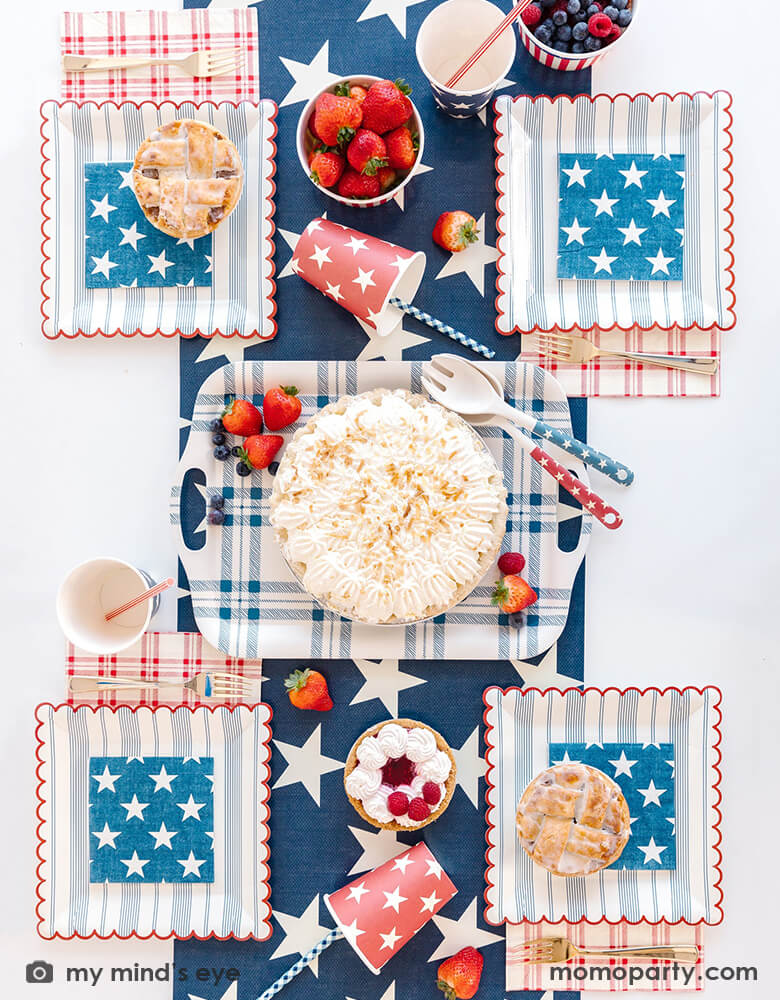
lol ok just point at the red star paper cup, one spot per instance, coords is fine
(379, 912)
(360, 272)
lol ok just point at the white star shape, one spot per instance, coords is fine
(603, 262)
(320, 256)
(292, 266)
(459, 933)
(106, 836)
(631, 232)
(662, 156)
(566, 759)
(190, 809)
(191, 865)
(604, 204)
(632, 175)
(545, 673)
(210, 266)
(575, 174)
(135, 809)
(159, 264)
(383, 681)
(661, 204)
(660, 262)
(127, 178)
(389, 993)
(365, 279)
(305, 764)
(651, 794)
(102, 208)
(681, 234)
(401, 864)
(231, 993)
(575, 232)
(390, 940)
(357, 892)
(103, 265)
(301, 933)
(393, 899)
(471, 766)
(351, 932)
(163, 836)
(356, 245)
(378, 846)
(310, 78)
(190, 243)
(106, 780)
(434, 869)
(162, 779)
(394, 9)
(399, 196)
(472, 260)
(135, 866)
(429, 903)
(333, 292)
(131, 236)
(652, 851)
(392, 345)
(623, 765)
(671, 764)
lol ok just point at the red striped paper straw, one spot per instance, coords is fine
(146, 596)
(511, 17)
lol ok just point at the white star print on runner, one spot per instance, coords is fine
(545, 673)
(384, 681)
(651, 794)
(623, 765)
(135, 866)
(632, 233)
(391, 346)
(575, 232)
(398, 197)
(652, 851)
(231, 993)
(389, 993)
(159, 264)
(305, 764)
(301, 933)
(472, 260)
(162, 779)
(102, 208)
(471, 766)
(661, 204)
(163, 836)
(131, 236)
(603, 262)
(576, 174)
(394, 9)
(106, 779)
(106, 837)
(377, 847)
(633, 175)
(127, 178)
(459, 933)
(103, 265)
(190, 809)
(604, 204)
(660, 262)
(310, 78)
(135, 809)
(191, 865)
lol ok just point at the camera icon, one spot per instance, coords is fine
(39, 972)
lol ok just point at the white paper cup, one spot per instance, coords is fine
(447, 37)
(96, 587)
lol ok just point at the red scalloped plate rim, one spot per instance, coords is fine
(269, 218)
(728, 190)
(263, 841)
(715, 806)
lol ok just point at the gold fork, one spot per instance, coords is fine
(207, 684)
(205, 62)
(579, 350)
(555, 950)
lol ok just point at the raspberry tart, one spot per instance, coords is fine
(573, 819)
(388, 508)
(400, 775)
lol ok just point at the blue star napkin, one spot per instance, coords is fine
(151, 819)
(645, 773)
(123, 249)
(621, 216)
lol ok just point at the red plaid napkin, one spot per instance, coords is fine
(169, 657)
(160, 33)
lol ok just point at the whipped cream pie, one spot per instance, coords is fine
(388, 507)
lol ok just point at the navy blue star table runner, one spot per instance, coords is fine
(318, 843)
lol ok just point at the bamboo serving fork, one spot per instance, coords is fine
(579, 351)
(204, 63)
(556, 950)
(208, 684)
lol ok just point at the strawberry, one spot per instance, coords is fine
(336, 118)
(459, 975)
(455, 230)
(281, 407)
(386, 106)
(387, 177)
(355, 185)
(308, 689)
(326, 168)
(259, 450)
(242, 418)
(367, 152)
(513, 594)
(402, 148)
(511, 562)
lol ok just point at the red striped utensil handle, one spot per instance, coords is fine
(608, 516)
(146, 596)
(510, 19)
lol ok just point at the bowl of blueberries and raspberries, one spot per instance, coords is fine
(577, 27)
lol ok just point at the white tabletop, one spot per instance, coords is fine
(684, 593)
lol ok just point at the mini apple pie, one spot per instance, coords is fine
(573, 820)
(187, 178)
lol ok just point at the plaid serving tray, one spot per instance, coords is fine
(245, 599)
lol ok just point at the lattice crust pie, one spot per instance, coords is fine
(388, 507)
(573, 820)
(187, 178)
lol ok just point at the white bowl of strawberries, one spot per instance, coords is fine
(361, 140)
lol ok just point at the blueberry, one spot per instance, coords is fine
(592, 44)
(547, 3)
(216, 425)
(559, 17)
(242, 469)
(236, 450)
(564, 33)
(577, 47)
(543, 34)
(217, 438)
(574, 6)
(562, 46)
(217, 501)
(273, 468)
(593, 9)
(620, 4)
(612, 12)
(215, 517)
(517, 620)
(624, 18)
(579, 32)
(221, 452)
(581, 18)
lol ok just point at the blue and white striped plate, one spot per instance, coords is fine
(245, 598)
(240, 301)
(235, 903)
(521, 725)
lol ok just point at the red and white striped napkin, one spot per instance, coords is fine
(523, 976)
(160, 33)
(168, 657)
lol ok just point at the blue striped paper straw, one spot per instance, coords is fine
(301, 964)
(437, 324)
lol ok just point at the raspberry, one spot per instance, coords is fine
(511, 562)
(398, 772)
(531, 15)
(431, 793)
(398, 803)
(418, 810)
(600, 26)
(615, 33)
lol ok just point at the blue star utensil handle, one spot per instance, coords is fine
(301, 964)
(590, 456)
